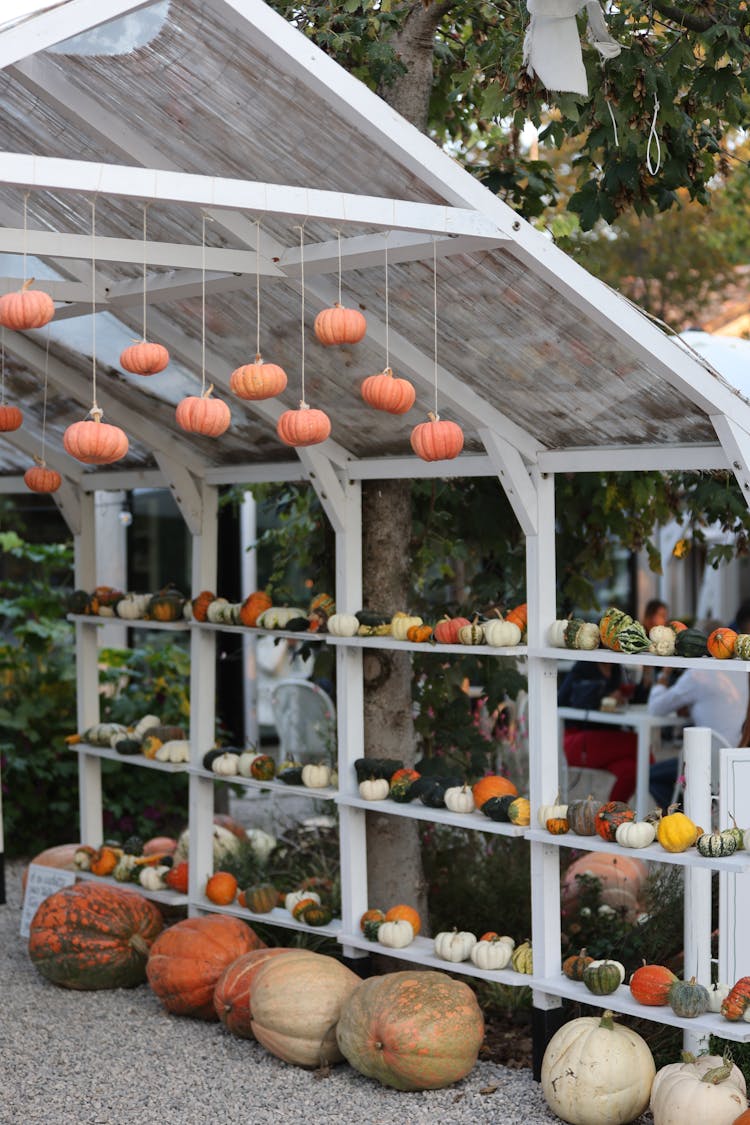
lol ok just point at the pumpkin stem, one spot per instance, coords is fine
(433, 417)
(688, 1057)
(717, 1074)
(27, 284)
(208, 391)
(258, 357)
(95, 413)
(388, 371)
(607, 1020)
(139, 943)
(303, 405)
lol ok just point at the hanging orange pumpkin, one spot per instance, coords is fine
(387, 392)
(305, 426)
(339, 325)
(41, 479)
(258, 380)
(144, 358)
(10, 418)
(27, 308)
(436, 440)
(95, 442)
(203, 414)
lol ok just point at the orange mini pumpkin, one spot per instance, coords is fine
(387, 392)
(339, 325)
(305, 426)
(252, 607)
(404, 913)
(144, 358)
(258, 380)
(10, 418)
(41, 479)
(221, 888)
(200, 604)
(519, 616)
(372, 915)
(419, 633)
(27, 308)
(492, 786)
(437, 441)
(202, 414)
(95, 442)
(720, 643)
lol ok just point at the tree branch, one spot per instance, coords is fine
(679, 16)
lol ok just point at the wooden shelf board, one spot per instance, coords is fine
(326, 794)
(276, 917)
(420, 951)
(736, 863)
(415, 810)
(171, 898)
(129, 759)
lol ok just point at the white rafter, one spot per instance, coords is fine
(58, 24)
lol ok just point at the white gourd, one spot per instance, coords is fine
(132, 607)
(316, 775)
(144, 725)
(278, 616)
(679, 1093)
(596, 1072)
(374, 789)
(396, 934)
(174, 750)
(401, 625)
(454, 945)
(459, 799)
(717, 993)
(342, 625)
(153, 878)
(216, 610)
(662, 639)
(556, 634)
(472, 634)
(551, 812)
(245, 761)
(635, 834)
(491, 954)
(501, 634)
(226, 765)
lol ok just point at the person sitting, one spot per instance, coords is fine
(592, 745)
(714, 698)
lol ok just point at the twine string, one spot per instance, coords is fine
(338, 233)
(387, 325)
(145, 210)
(434, 318)
(257, 290)
(203, 304)
(44, 395)
(301, 230)
(2, 366)
(653, 136)
(25, 229)
(94, 405)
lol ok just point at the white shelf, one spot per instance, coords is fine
(138, 623)
(622, 1001)
(367, 642)
(276, 917)
(323, 794)
(736, 863)
(129, 759)
(170, 898)
(608, 656)
(476, 821)
(420, 951)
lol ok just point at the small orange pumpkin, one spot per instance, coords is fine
(557, 825)
(95, 442)
(258, 380)
(373, 915)
(299, 907)
(437, 441)
(177, 877)
(720, 643)
(574, 965)
(404, 913)
(419, 633)
(41, 479)
(305, 426)
(519, 616)
(27, 308)
(202, 414)
(651, 984)
(385, 392)
(144, 358)
(200, 604)
(252, 607)
(221, 888)
(494, 785)
(10, 418)
(339, 325)
(105, 861)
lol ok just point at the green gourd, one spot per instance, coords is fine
(690, 642)
(688, 999)
(717, 844)
(603, 977)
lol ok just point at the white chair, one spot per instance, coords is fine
(305, 717)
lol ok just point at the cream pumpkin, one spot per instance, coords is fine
(708, 1090)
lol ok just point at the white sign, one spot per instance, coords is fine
(42, 882)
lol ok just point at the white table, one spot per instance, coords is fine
(637, 718)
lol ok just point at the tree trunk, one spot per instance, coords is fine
(394, 864)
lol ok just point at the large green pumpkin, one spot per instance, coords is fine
(89, 936)
(411, 1030)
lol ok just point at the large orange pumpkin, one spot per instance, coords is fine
(88, 936)
(232, 995)
(621, 877)
(296, 1002)
(492, 786)
(187, 960)
(61, 856)
(411, 1030)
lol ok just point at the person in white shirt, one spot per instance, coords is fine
(715, 698)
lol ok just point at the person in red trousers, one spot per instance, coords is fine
(590, 744)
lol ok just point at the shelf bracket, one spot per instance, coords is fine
(186, 493)
(736, 444)
(514, 478)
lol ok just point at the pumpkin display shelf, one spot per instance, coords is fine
(421, 951)
(638, 659)
(129, 759)
(476, 821)
(622, 1001)
(168, 897)
(276, 917)
(128, 622)
(736, 863)
(326, 793)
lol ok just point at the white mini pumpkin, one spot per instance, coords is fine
(174, 750)
(596, 1072)
(551, 812)
(454, 945)
(226, 764)
(316, 775)
(635, 834)
(153, 878)
(374, 789)
(396, 934)
(291, 900)
(501, 633)
(245, 761)
(401, 623)
(459, 799)
(342, 625)
(493, 953)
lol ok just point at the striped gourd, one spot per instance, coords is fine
(610, 625)
(742, 646)
(633, 638)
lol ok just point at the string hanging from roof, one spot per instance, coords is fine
(339, 325)
(305, 426)
(92, 441)
(385, 391)
(436, 440)
(27, 308)
(258, 380)
(203, 414)
(39, 478)
(143, 358)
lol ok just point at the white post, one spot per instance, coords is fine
(111, 559)
(87, 679)
(248, 584)
(697, 928)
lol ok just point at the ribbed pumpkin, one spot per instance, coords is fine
(581, 816)
(202, 414)
(144, 358)
(573, 967)
(735, 1004)
(492, 786)
(10, 418)
(261, 898)
(296, 1002)
(258, 380)
(720, 643)
(187, 960)
(306, 426)
(651, 984)
(95, 442)
(386, 392)
(437, 440)
(411, 1030)
(339, 325)
(200, 604)
(90, 937)
(26, 308)
(41, 479)
(232, 994)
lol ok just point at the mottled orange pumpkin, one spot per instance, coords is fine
(89, 936)
(651, 984)
(411, 1030)
(187, 960)
(492, 786)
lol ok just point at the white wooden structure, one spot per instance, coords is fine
(222, 109)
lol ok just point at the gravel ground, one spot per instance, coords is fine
(118, 1058)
